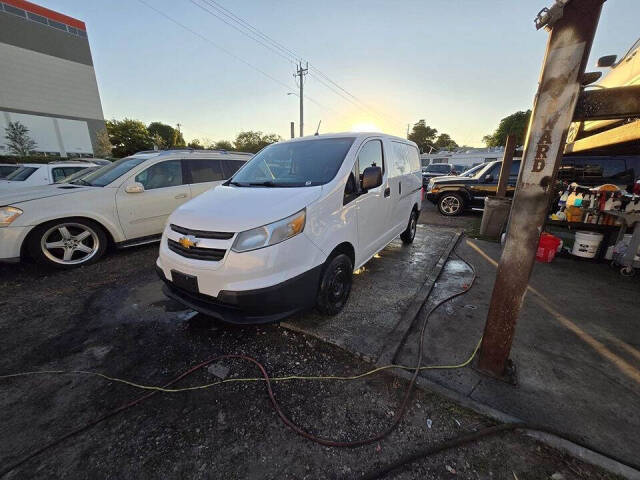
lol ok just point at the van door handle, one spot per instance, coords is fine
(387, 192)
(182, 195)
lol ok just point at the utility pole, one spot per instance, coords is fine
(300, 73)
(572, 26)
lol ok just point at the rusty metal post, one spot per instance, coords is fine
(507, 161)
(573, 27)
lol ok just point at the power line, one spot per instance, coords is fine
(250, 31)
(234, 26)
(229, 14)
(231, 54)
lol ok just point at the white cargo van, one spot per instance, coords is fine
(286, 232)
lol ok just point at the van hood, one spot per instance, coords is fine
(11, 196)
(235, 209)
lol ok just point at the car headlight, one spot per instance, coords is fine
(270, 234)
(430, 185)
(8, 215)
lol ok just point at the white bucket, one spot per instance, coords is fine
(586, 244)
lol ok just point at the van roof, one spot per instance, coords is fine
(357, 135)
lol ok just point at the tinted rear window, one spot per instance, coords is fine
(21, 174)
(205, 171)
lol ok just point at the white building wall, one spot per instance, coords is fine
(41, 83)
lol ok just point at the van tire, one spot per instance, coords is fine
(450, 204)
(410, 232)
(335, 285)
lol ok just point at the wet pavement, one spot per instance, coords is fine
(376, 317)
(576, 348)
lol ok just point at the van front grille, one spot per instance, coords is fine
(201, 233)
(197, 253)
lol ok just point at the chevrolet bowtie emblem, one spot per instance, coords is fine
(188, 241)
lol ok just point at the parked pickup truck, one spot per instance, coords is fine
(454, 194)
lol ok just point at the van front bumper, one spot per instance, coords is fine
(262, 305)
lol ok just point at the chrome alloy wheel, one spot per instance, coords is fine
(450, 205)
(69, 243)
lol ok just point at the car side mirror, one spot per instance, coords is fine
(606, 61)
(488, 178)
(135, 187)
(371, 178)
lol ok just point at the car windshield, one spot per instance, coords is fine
(107, 174)
(303, 163)
(438, 168)
(80, 174)
(21, 174)
(472, 172)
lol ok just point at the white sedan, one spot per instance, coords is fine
(125, 203)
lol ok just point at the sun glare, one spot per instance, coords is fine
(365, 127)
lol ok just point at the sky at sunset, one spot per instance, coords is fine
(461, 65)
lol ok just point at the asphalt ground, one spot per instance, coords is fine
(112, 318)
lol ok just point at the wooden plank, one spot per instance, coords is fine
(628, 132)
(608, 104)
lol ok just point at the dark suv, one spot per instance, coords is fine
(437, 170)
(453, 195)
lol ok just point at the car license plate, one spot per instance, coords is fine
(184, 281)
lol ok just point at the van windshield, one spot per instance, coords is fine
(303, 163)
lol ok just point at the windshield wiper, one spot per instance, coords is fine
(267, 183)
(81, 182)
(237, 184)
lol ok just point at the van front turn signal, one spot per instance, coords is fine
(270, 234)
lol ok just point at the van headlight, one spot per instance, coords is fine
(270, 234)
(8, 215)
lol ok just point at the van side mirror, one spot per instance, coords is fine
(606, 61)
(135, 187)
(371, 178)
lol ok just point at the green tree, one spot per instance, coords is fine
(195, 144)
(172, 137)
(423, 135)
(128, 137)
(103, 145)
(252, 142)
(516, 124)
(222, 145)
(164, 131)
(178, 139)
(18, 140)
(445, 142)
(159, 142)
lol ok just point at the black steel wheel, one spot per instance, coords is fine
(335, 285)
(410, 232)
